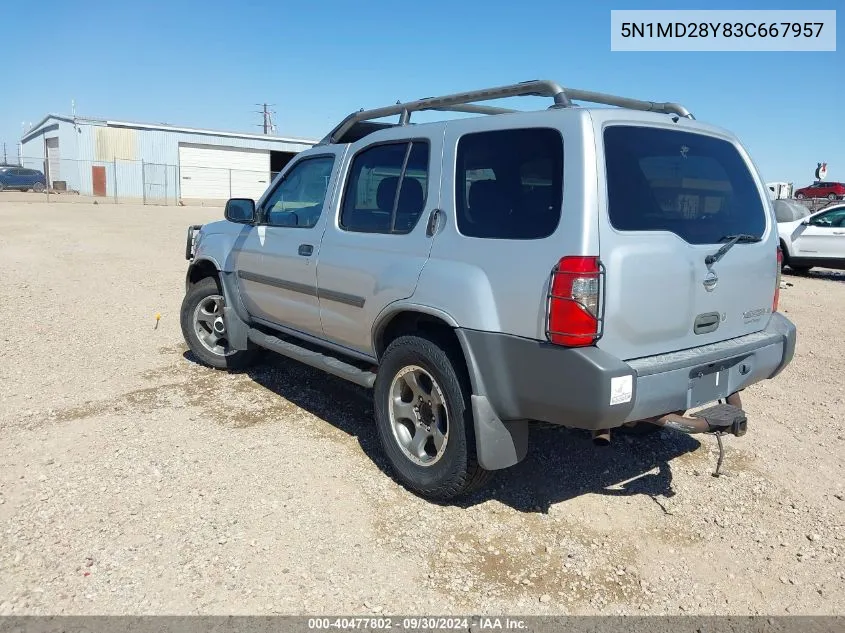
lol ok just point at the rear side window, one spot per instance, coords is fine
(509, 183)
(387, 186)
(695, 186)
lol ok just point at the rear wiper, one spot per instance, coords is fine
(732, 239)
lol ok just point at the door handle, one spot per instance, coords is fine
(306, 249)
(839, 232)
(433, 221)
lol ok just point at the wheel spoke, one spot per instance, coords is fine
(211, 339)
(417, 445)
(206, 317)
(412, 379)
(403, 410)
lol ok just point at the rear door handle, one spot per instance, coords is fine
(433, 221)
(306, 249)
(839, 232)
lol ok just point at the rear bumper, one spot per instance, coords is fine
(525, 379)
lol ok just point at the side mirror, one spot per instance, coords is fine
(240, 210)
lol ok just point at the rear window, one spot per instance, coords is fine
(695, 186)
(509, 183)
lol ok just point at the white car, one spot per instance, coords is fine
(815, 240)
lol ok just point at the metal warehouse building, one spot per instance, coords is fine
(153, 162)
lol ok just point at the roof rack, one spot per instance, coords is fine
(464, 102)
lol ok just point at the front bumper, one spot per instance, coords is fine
(525, 379)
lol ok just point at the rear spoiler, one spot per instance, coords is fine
(191, 241)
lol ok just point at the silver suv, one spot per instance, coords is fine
(586, 267)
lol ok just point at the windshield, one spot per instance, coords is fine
(695, 186)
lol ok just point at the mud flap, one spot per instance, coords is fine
(498, 444)
(237, 330)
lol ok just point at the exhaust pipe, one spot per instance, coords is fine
(601, 437)
(727, 417)
(721, 418)
(682, 423)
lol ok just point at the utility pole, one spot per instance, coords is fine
(267, 115)
(5, 162)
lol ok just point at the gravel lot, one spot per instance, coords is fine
(136, 481)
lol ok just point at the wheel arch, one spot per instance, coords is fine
(394, 321)
(784, 247)
(199, 270)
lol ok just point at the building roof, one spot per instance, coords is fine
(161, 126)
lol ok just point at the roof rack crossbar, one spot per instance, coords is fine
(464, 102)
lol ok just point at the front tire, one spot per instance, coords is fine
(424, 418)
(800, 196)
(204, 328)
(38, 187)
(831, 196)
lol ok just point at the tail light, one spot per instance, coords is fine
(777, 281)
(574, 302)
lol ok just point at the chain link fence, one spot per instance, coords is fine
(129, 181)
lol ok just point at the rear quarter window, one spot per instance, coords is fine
(509, 183)
(693, 185)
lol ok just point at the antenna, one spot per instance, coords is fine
(73, 108)
(267, 114)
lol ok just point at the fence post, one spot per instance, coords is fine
(143, 183)
(114, 162)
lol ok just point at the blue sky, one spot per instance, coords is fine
(207, 64)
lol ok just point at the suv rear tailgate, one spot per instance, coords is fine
(673, 197)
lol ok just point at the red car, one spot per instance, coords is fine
(829, 190)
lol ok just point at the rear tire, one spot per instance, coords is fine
(784, 262)
(800, 196)
(801, 270)
(831, 196)
(424, 418)
(204, 329)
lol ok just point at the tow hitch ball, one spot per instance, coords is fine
(720, 419)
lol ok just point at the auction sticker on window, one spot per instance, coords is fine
(723, 30)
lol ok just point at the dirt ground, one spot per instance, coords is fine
(135, 481)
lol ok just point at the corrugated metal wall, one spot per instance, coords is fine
(33, 150)
(115, 143)
(139, 162)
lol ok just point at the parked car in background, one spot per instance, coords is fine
(22, 179)
(829, 190)
(816, 240)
